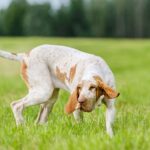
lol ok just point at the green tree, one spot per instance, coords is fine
(62, 25)
(109, 21)
(14, 17)
(96, 17)
(129, 18)
(38, 20)
(79, 21)
(2, 12)
(146, 19)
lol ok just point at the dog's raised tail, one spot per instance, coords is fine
(11, 56)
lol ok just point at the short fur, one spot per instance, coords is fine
(50, 67)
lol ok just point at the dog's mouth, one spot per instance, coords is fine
(84, 108)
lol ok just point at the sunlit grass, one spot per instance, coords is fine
(129, 60)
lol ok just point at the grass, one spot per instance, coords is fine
(129, 60)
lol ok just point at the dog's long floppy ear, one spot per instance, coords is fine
(107, 91)
(72, 102)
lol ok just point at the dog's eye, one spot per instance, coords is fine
(92, 88)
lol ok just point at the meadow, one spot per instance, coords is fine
(129, 60)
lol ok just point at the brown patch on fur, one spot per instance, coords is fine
(72, 103)
(24, 72)
(107, 91)
(72, 73)
(97, 78)
(61, 76)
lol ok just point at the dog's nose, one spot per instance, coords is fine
(81, 99)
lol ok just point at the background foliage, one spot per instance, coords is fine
(96, 18)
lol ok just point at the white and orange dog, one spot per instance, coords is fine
(48, 68)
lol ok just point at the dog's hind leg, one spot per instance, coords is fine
(46, 108)
(17, 111)
(34, 97)
(41, 89)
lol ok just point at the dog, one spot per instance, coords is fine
(48, 68)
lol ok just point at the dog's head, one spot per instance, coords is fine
(87, 93)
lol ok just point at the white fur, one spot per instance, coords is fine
(12, 56)
(42, 62)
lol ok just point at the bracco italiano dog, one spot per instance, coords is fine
(47, 68)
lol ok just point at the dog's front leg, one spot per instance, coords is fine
(78, 115)
(110, 115)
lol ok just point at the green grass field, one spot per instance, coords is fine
(130, 62)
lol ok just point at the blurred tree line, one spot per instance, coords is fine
(97, 18)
